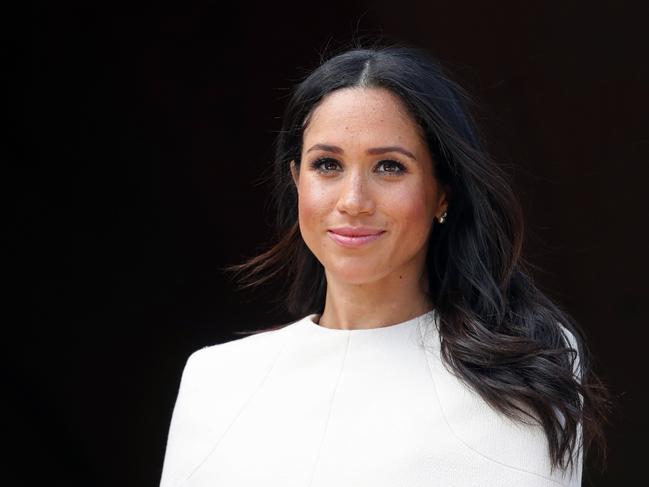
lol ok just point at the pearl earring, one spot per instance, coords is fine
(442, 218)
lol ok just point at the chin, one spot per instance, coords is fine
(351, 274)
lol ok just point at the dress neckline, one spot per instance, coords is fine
(310, 323)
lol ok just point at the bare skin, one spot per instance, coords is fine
(382, 282)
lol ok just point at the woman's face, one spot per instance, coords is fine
(364, 164)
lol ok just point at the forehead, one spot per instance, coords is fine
(369, 113)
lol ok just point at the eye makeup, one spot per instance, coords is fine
(318, 164)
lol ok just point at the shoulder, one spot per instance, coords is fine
(216, 381)
(514, 443)
(246, 345)
(234, 356)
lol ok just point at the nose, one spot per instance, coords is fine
(355, 196)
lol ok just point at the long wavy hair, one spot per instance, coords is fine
(499, 333)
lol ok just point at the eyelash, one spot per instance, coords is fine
(316, 165)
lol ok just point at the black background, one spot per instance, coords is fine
(140, 137)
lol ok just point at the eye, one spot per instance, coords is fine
(394, 167)
(324, 164)
(328, 165)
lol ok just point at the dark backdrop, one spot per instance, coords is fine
(133, 164)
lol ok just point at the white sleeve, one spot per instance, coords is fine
(176, 466)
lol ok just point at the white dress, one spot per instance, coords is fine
(310, 406)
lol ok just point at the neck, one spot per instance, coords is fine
(390, 300)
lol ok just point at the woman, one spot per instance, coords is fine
(424, 354)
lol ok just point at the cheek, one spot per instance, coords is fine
(313, 204)
(411, 210)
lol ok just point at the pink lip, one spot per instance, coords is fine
(356, 231)
(354, 236)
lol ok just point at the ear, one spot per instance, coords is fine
(295, 172)
(445, 197)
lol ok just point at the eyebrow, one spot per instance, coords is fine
(372, 151)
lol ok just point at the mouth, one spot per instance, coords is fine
(354, 240)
